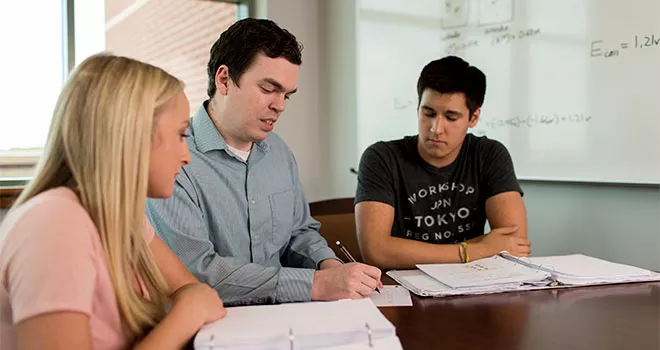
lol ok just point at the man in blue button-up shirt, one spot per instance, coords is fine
(239, 219)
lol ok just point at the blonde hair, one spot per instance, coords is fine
(98, 145)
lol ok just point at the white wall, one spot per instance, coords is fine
(338, 43)
(3, 212)
(299, 125)
(320, 124)
(616, 222)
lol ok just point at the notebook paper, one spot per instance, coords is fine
(312, 325)
(391, 296)
(578, 269)
(484, 272)
(491, 275)
(585, 266)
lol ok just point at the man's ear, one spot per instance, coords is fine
(475, 117)
(222, 80)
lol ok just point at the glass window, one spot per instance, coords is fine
(173, 34)
(32, 70)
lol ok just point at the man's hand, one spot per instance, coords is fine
(501, 239)
(345, 281)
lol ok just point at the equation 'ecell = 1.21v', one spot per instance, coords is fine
(600, 49)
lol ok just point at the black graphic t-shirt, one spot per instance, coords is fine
(437, 205)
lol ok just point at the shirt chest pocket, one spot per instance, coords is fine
(281, 208)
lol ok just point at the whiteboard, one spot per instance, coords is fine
(572, 85)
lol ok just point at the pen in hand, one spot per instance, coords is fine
(349, 256)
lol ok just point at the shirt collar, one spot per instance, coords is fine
(206, 135)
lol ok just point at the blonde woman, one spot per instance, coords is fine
(80, 266)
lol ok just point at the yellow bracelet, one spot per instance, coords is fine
(467, 257)
(460, 253)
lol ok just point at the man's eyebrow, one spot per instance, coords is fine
(278, 86)
(449, 112)
(453, 113)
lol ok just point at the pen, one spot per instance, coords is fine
(349, 256)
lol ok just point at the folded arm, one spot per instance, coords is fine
(507, 218)
(374, 224)
(507, 210)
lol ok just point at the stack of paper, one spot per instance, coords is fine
(344, 324)
(493, 271)
(507, 273)
(492, 275)
(578, 269)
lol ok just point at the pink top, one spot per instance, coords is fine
(51, 259)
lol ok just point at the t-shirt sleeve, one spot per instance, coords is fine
(498, 173)
(375, 178)
(50, 265)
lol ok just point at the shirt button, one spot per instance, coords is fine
(252, 201)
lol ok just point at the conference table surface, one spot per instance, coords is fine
(622, 316)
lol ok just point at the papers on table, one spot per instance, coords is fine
(578, 269)
(343, 324)
(507, 273)
(482, 273)
(392, 296)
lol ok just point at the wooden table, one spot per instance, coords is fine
(625, 316)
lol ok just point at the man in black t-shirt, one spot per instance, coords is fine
(426, 198)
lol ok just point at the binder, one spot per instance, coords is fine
(338, 325)
(506, 273)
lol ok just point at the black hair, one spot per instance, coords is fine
(238, 46)
(452, 74)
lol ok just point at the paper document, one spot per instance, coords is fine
(586, 266)
(343, 324)
(485, 272)
(392, 296)
(508, 273)
(424, 285)
(391, 343)
(578, 269)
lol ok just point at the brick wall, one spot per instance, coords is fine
(114, 7)
(173, 34)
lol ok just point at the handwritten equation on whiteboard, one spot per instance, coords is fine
(604, 49)
(537, 120)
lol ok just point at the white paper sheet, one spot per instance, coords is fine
(310, 325)
(482, 273)
(392, 296)
(568, 270)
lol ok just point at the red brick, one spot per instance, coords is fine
(173, 34)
